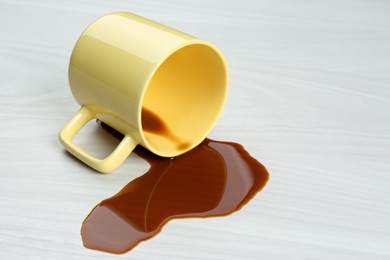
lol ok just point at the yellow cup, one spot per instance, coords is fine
(160, 87)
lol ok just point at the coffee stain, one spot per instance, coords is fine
(152, 123)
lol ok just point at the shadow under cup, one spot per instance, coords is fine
(187, 92)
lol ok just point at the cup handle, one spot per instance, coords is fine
(106, 165)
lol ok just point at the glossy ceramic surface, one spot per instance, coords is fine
(123, 63)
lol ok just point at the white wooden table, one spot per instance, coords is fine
(309, 97)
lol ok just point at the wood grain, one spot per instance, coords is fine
(309, 98)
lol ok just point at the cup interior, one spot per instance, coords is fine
(184, 99)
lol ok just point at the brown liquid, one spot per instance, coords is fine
(152, 123)
(214, 179)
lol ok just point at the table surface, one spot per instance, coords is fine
(309, 98)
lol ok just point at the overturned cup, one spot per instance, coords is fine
(161, 88)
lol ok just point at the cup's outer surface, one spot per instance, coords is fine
(123, 62)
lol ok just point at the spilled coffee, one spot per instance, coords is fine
(214, 179)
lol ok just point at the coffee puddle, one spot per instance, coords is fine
(214, 179)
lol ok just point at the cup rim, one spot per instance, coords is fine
(187, 43)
